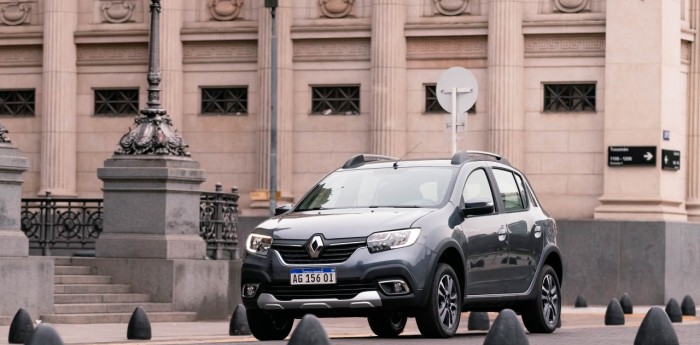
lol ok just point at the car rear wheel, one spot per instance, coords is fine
(544, 313)
(268, 326)
(387, 325)
(439, 318)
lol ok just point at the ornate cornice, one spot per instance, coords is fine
(351, 49)
(223, 51)
(564, 45)
(469, 47)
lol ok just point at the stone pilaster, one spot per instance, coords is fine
(642, 100)
(59, 114)
(171, 60)
(693, 182)
(388, 63)
(506, 82)
(285, 94)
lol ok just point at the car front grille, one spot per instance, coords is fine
(333, 254)
(286, 292)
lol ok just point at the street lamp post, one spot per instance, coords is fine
(272, 5)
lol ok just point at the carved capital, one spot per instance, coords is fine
(336, 8)
(224, 10)
(451, 7)
(571, 6)
(117, 11)
(15, 13)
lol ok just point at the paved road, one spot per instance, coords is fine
(579, 326)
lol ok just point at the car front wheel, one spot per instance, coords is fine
(268, 326)
(544, 313)
(439, 318)
(387, 325)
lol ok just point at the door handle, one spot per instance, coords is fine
(502, 233)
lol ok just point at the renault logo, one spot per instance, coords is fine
(314, 246)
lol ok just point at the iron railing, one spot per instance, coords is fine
(74, 224)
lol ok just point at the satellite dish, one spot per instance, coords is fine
(465, 83)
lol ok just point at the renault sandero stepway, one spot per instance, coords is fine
(390, 239)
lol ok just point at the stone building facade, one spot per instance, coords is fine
(560, 81)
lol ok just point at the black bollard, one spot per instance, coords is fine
(21, 328)
(309, 331)
(44, 334)
(614, 315)
(581, 302)
(626, 303)
(239, 322)
(656, 329)
(506, 329)
(688, 306)
(673, 310)
(478, 321)
(139, 326)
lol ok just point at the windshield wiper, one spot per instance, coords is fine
(396, 206)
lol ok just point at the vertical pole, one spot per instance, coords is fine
(454, 120)
(273, 116)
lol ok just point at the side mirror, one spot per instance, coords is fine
(283, 209)
(477, 207)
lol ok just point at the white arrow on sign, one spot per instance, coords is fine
(648, 156)
(665, 159)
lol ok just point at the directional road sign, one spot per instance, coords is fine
(631, 155)
(670, 159)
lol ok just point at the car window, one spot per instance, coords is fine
(381, 187)
(477, 186)
(510, 192)
(522, 190)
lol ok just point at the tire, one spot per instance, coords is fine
(439, 318)
(543, 314)
(268, 326)
(387, 325)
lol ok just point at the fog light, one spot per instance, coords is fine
(249, 290)
(394, 287)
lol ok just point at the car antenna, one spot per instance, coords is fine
(396, 164)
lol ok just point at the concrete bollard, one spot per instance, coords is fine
(44, 334)
(139, 326)
(21, 327)
(614, 315)
(478, 321)
(239, 322)
(309, 331)
(506, 329)
(581, 302)
(688, 306)
(673, 310)
(626, 303)
(656, 329)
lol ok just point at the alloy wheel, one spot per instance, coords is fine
(550, 300)
(447, 301)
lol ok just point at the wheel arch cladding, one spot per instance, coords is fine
(554, 261)
(451, 257)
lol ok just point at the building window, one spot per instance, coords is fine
(569, 97)
(431, 102)
(116, 102)
(335, 100)
(17, 102)
(224, 100)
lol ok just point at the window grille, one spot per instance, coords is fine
(17, 102)
(225, 100)
(433, 106)
(569, 97)
(335, 100)
(116, 102)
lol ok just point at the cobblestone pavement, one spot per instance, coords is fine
(583, 326)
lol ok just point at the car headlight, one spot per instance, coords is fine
(382, 241)
(258, 244)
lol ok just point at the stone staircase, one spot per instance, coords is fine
(83, 297)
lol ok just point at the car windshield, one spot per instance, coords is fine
(382, 187)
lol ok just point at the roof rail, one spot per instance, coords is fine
(360, 159)
(462, 156)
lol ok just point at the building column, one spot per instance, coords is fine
(641, 101)
(693, 180)
(388, 63)
(59, 113)
(171, 60)
(506, 80)
(285, 98)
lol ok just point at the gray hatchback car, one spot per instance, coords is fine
(389, 239)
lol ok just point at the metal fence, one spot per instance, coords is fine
(71, 225)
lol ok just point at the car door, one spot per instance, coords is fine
(486, 234)
(524, 236)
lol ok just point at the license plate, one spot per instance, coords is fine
(312, 276)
